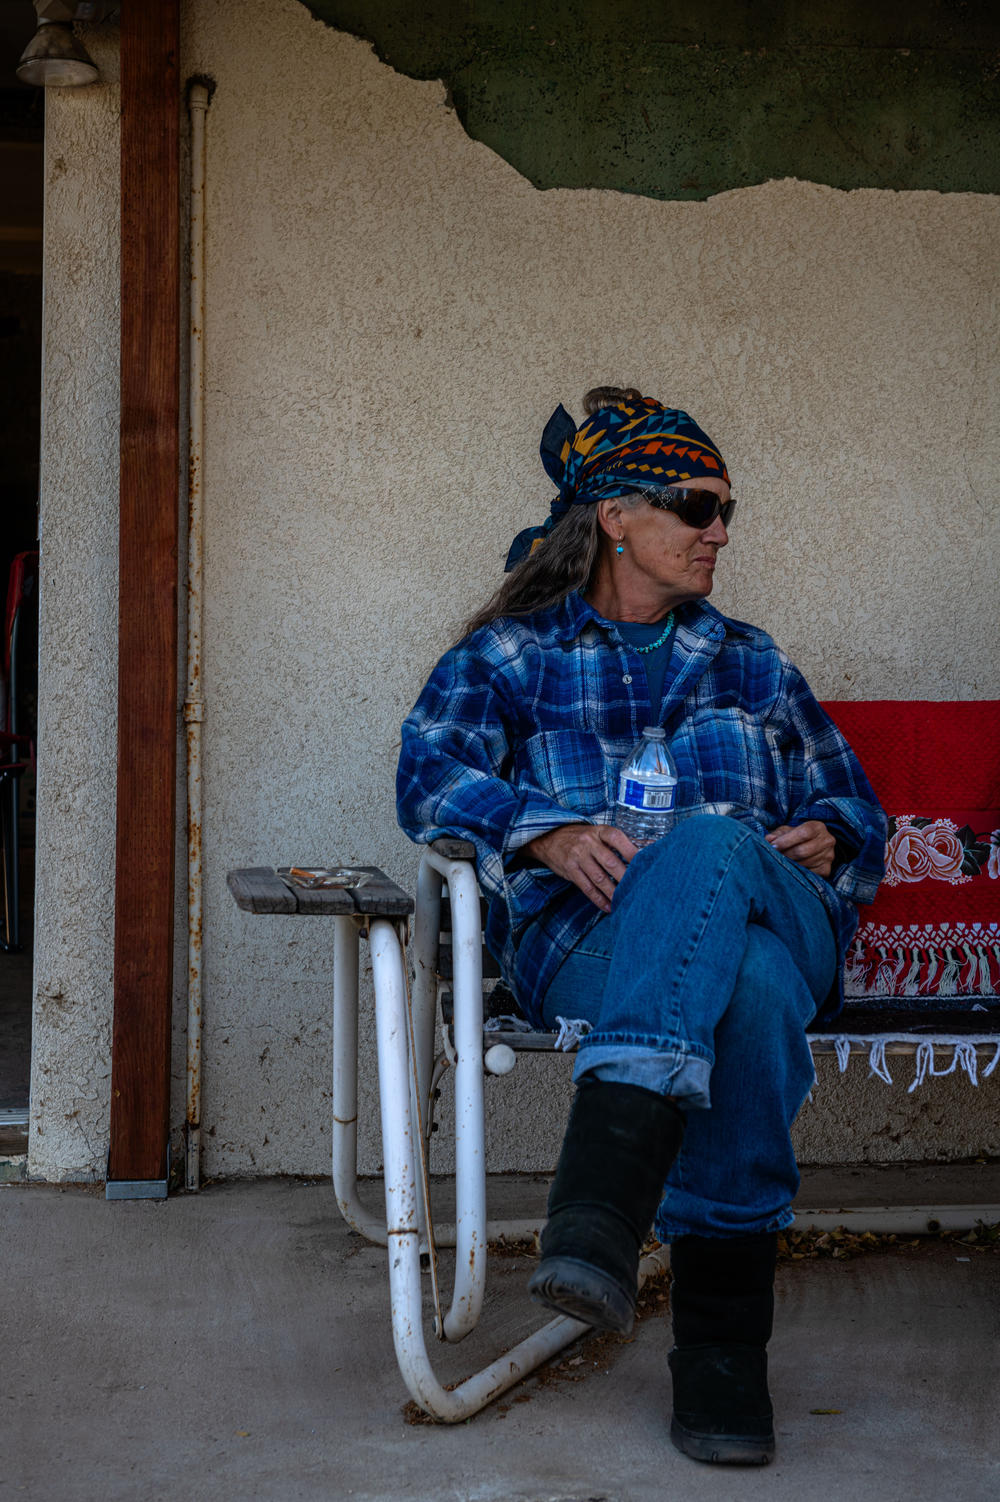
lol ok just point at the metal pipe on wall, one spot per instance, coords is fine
(199, 95)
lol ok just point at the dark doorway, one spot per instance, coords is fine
(22, 113)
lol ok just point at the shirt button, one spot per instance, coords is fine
(627, 678)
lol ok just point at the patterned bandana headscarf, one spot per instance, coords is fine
(617, 449)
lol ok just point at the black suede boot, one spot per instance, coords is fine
(722, 1301)
(618, 1148)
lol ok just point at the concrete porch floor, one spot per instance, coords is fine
(236, 1345)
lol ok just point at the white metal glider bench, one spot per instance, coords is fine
(915, 987)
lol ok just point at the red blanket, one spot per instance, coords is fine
(934, 928)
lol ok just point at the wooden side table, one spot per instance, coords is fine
(380, 910)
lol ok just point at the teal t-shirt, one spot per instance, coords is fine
(639, 634)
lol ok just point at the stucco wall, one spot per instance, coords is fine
(393, 313)
(78, 623)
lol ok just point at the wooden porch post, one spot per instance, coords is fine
(147, 631)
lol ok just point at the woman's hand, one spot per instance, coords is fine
(592, 856)
(810, 844)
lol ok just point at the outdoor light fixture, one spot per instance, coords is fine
(55, 58)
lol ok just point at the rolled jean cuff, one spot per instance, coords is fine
(667, 1229)
(665, 1071)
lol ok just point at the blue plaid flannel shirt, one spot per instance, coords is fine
(524, 725)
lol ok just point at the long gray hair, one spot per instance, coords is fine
(565, 559)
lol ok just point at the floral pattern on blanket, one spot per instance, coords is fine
(921, 849)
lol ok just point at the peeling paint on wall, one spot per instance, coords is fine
(685, 100)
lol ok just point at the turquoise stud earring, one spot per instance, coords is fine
(621, 547)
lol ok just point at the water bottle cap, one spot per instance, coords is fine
(655, 732)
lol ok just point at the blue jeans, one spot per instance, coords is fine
(699, 984)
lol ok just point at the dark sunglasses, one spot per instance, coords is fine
(696, 508)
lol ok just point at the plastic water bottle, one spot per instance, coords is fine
(647, 789)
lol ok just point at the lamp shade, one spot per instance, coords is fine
(54, 58)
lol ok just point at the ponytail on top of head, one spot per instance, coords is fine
(609, 396)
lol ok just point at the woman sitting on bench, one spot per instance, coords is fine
(699, 959)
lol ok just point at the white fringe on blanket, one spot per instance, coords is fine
(963, 1049)
(924, 959)
(571, 1029)
(963, 1054)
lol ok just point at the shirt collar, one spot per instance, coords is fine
(696, 615)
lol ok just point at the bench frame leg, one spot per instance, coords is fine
(346, 939)
(405, 1035)
(400, 1150)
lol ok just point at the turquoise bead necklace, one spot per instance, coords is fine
(667, 628)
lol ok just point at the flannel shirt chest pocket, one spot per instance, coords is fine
(572, 768)
(727, 755)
